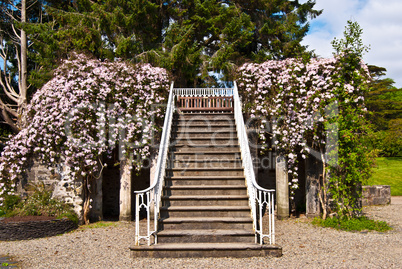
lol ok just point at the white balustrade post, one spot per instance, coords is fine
(272, 219)
(137, 219)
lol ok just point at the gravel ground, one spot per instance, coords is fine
(304, 246)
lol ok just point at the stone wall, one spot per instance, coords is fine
(105, 197)
(63, 188)
(313, 173)
(38, 173)
(376, 195)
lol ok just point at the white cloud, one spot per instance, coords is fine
(381, 22)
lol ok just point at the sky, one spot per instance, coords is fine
(381, 21)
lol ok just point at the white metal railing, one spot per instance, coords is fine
(258, 196)
(203, 91)
(152, 196)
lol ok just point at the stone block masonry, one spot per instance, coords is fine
(376, 195)
(63, 187)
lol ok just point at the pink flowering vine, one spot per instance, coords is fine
(86, 110)
(298, 98)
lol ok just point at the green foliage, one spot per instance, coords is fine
(351, 43)
(5, 132)
(388, 171)
(100, 224)
(9, 203)
(384, 103)
(69, 214)
(189, 38)
(388, 143)
(353, 224)
(38, 203)
(353, 160)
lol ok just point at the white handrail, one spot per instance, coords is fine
(152, 195)
(257, 194)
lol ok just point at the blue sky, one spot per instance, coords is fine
(381, 21)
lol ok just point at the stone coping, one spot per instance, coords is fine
(376, 195)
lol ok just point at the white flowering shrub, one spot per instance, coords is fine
(85, 111)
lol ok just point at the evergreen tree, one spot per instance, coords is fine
(384, 101)
(189, 38)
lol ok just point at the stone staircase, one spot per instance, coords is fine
(205, 210)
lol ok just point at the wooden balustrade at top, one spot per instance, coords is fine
(205, 103)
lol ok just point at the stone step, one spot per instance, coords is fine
(204, 141)
(206, 223)
(204, 164)
(204, 200)
(211, 130)
(204, 172)
(205, 211)
(204, 132)
(207, 143)
(204, 148)
(205, 236)
(206, 155)
(204, 116)
(181, 130)
(205, 190)
(228, 134)
(200, 250)
(204, 124)
(205, 181)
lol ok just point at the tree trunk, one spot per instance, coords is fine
(323, 192)
(24, 66)
(14, 99)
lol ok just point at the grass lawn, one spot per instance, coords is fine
(388, 172)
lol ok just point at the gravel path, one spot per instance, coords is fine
(304, 246)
